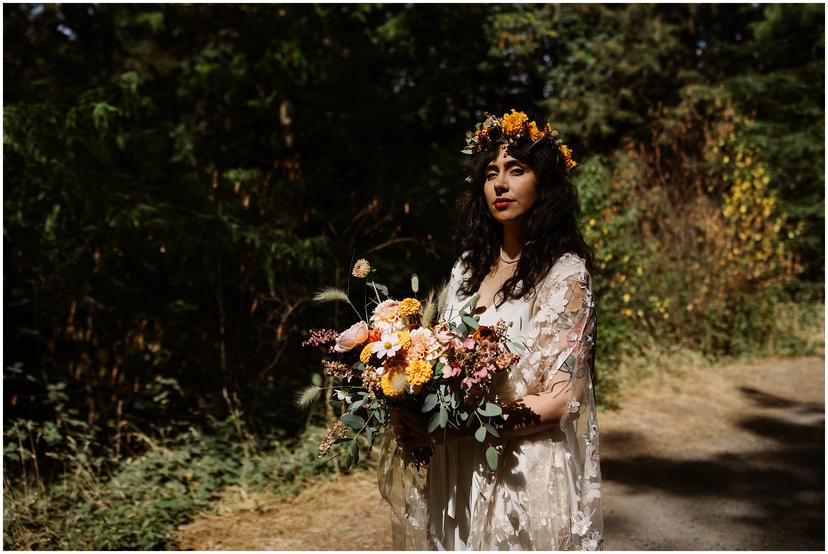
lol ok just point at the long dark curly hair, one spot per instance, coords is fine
(551, 224)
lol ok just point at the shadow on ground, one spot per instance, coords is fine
(772, 496)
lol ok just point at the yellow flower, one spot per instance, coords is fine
(418, 372)
(567, 156)
(365, 355)
(534, 132)
(405, 339)
(409, 306)
(393, 382)
(513, 122)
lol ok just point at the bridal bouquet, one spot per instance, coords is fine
(398, 357)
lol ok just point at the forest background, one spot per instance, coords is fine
(180, 180)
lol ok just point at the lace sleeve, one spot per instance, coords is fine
(560, 361)
(560, 353)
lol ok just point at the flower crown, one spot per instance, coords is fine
(509, 129)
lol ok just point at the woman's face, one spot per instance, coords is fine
(510, 188)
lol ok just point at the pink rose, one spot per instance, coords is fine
(355, 335)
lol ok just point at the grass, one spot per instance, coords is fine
(139, 506)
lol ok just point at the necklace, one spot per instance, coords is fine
(508, 261)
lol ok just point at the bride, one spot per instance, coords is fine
(522, 252)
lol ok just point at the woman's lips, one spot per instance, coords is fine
(502, 203)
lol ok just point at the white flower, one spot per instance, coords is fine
(387, 346)
(572, 406)
(340, 395)
(361, 268)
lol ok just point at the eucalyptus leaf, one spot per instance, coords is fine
(434, 422)
(492, 457)
(517, 345)
(480, 434)
(355, 452)
(471, 304)
(355, 422)
(443, 415)
(429, 402)
(470, 321)
(490, 410)
(491, 429)
(382, 289)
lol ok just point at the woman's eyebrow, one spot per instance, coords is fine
(507, 165)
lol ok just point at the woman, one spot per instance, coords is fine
(522, 253)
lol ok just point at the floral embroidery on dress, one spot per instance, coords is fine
(593, 491)
(581, 521)
(592, 541)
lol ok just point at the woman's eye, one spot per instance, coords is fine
(490, 175)
(517, 171)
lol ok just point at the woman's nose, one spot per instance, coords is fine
(501, 185)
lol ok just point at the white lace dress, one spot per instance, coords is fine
(546, 491)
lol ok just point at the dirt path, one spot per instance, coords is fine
(721, 459)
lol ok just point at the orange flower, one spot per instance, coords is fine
(405, 339)
(409, 306)
(534, 132)
(418, 372)
(484, 332)
(393, 383)
(513, 122)
(567, 156)
(365, 355)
